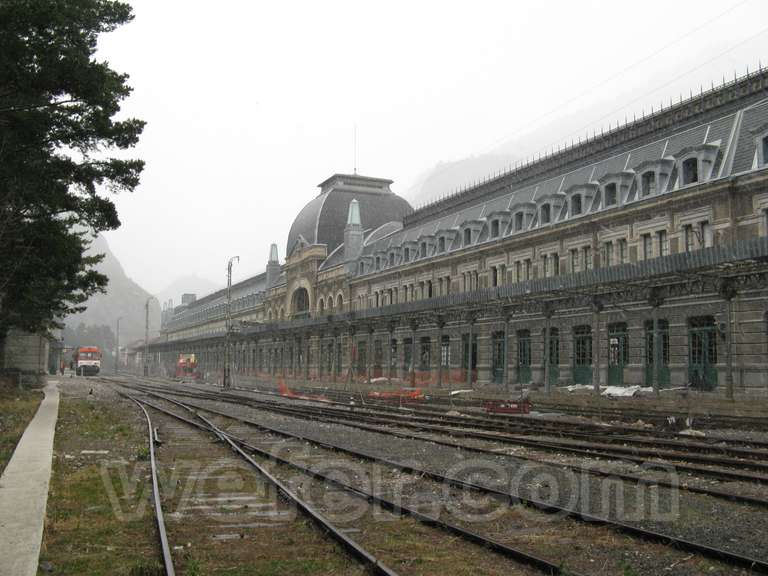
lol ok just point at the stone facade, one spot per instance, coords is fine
(637, 257)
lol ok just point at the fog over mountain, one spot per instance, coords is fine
(124, 298)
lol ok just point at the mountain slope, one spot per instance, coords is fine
(124, 298)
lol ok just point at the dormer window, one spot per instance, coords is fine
(362, 268)
(648, 183)
(378, 263)
(423, 249)
(690, 171)
(611, 196)
(467, 236)
(546, 214)
(494, 228)
(391, 258)
(576, 205)
(441, 244)
(407, 255)
(518, 222)
(764, 147)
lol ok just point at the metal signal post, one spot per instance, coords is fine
(227, 382)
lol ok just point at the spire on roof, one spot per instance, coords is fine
(353, 216)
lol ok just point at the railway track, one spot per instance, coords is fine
(370, 563)
(523, 561)
(715, 467)
(734, 559)
(659, 418)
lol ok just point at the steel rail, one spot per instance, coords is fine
(166, 549)
(742, 498)
(585, 449)
(368, 559)
(239, 444)
(351, 419)
(642, 533)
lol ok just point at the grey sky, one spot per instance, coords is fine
(251, 104)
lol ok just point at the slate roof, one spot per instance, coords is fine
(717, 131)
(323, 219)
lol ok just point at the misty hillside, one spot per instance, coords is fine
(124, 298)
(191, 283)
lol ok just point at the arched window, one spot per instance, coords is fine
(339, 301)
(611, 196)
(321, 306)
(467, 236)
(300, 303)
(690, 171)
(576, 205)
(330, 302)
(546, 214)
(648, 183)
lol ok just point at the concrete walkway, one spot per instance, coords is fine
(24, 490)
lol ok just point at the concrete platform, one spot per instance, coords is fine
(24, 490)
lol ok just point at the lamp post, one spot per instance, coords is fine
(117, 345)
(146, 335)
(226, 383)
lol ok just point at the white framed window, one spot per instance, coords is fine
(611, 194)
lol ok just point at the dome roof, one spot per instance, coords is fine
(323, 219)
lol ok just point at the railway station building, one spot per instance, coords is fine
(637, 256)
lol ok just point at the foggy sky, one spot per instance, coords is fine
(250, 105)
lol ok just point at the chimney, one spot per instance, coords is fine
(273, 267)
(353, 233)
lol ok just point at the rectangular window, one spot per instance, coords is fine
(406, 255)
(648, 183)
(441, 244)
(494, 276)
(445, 351)
(611, 195)
(494, 228)
(518, 222)
(608, 254)
(574, 260)
(690, 171)
(765, 218)
(555, 263)
(688, 237)
(544, 265)
(528, 268)
(647, 246)
(518, 270)
(661, 237)
(587, 251)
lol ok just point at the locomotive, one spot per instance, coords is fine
(87, 360)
